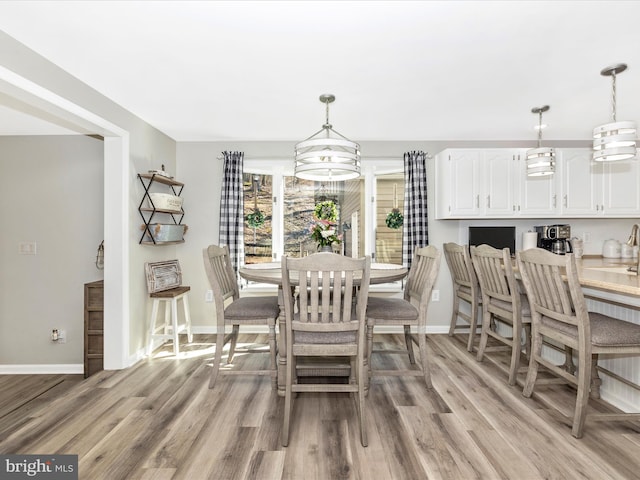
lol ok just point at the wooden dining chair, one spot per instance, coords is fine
(559, 312)
(506, 315)
(329, 323)
(465, 289)
(409, 311)
(233, 310)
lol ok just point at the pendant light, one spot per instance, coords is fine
(617, 140)
(327, 155)
(541, 161)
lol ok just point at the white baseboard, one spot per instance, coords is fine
(59, 369)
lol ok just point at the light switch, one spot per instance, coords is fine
(27, 248)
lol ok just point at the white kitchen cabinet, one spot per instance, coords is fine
(591, 189)
(485, 183)
(492, 183)
(537, 196)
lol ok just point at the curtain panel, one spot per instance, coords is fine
(232, 207)
(415, 231)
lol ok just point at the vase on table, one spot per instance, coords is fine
(326, 248)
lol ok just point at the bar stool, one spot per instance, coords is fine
(170, 330)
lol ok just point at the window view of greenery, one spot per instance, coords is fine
(389, 218)
(258, 215)
(297, 210)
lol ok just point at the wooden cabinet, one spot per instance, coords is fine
(162, 222)
(93, 327)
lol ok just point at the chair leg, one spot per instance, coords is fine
(515, 352)
(426, 371)
(232, 343)
(454, 314)
(473, 326)
(582, 398)
(288, 402)
(272, 355)
(409, 342)
(484, 336)
(532, 372)
(217, 359)
(369, 350)
(362, 401)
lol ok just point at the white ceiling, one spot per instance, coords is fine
(418, 70)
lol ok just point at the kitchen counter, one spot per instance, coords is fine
(609, 275)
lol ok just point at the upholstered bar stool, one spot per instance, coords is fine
(465, 289)
(169, 328)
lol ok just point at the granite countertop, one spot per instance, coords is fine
(608, 274)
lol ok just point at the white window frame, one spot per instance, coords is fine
(278, 169)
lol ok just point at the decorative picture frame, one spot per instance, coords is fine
(163, 275)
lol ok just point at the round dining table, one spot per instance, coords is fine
(271, 273)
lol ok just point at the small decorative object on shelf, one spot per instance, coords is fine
(161, 212)
(255, 219)
(324, 227)
(395, 219)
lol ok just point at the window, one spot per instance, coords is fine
(279, 211)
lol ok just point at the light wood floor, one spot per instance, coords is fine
(158, 420)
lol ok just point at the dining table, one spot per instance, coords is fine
(271, 273)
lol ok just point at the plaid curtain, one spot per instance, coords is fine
(232, 207)
(414, 234)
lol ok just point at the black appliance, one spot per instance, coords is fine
(497, 237)
(554, 238)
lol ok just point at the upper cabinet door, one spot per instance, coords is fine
(581, 183)
(458, 182)
(499, 188)
(620, 188)
(538, 195)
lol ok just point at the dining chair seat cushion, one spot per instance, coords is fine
(324, 338)
(249, 308)
(525, 309)
(605, 330)
(391, 308)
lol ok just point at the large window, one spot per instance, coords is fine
(279, 211)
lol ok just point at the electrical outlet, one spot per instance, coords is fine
(208, 296)
(435, 295)
(58, 336)
(586, 237)
(27, 248)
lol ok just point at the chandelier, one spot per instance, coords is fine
(617, 140)
(327, 155)
(541, 161)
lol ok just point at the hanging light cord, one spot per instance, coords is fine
(613, 95)
(327, 125)
(540, 128)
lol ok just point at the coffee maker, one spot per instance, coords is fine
(554, 238)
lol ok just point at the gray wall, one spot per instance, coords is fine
(53, 195)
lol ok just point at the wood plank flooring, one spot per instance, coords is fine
(158, 420)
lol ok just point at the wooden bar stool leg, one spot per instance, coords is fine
(187, 317)
(174, 326)
(152, 323)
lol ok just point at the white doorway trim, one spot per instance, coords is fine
(53, 108)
